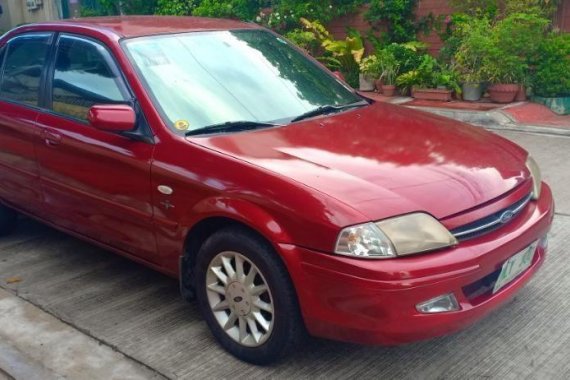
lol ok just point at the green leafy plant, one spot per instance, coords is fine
(89, 12)
(521, 33)
(370, 66)
(286, 14)
(408, 55)
(475, 41)
(406, 81)
(552, 72)
(305, 40)
(498, 9)
(176, 7)
(429, 74)
(399, 15)
(129, 7)
(477, 8)
(544, 8)
(501, 67)
(389, 66)
(344, 55)
(280, 15)
(240, 9)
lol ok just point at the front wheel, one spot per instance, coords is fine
(246, 296)
(8, 218)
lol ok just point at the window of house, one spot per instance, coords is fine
(84, 76)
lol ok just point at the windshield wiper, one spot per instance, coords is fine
(232, 126)
(328, 108)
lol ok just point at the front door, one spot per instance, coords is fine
(95, 183)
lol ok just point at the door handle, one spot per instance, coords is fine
(51, 138)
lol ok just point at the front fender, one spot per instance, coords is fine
(241, 211)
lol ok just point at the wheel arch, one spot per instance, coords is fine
(219, 214)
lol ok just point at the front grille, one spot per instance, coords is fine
(491, 222)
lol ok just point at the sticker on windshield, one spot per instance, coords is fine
(182, 125)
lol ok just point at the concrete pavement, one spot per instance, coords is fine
(127, 308)
(36, 345)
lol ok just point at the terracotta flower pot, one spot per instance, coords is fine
(388, 89)
(521, 94)
(503, 93)
(442, 95)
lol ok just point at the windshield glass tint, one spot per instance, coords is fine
(204, 78)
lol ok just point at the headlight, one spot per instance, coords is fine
(536, 177)
(399, 236)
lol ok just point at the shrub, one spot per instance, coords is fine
(429, 74)
(305, 40)
(287, 13)
(176, 7)
(552, 73)
(343, 55)
(129, 7)
(408, 55)
(474, 41)
(521, 34)
(241, 9)
(370, 66)
(398, 14)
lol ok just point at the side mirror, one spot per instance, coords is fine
(112, 117)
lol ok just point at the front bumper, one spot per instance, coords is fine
(373, 301)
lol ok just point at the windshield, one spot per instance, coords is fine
(206, 78)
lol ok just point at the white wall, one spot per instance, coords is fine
(16, 13)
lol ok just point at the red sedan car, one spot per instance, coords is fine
(218, 153)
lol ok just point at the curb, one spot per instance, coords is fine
(495, 119)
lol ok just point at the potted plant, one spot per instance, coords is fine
(505, 72)
(551, 78)
(475, 41)
(370, 72)
(389, 68)
(521, 34)
(430, 81)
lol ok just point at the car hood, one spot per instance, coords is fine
(385, 160)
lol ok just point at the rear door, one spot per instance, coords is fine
(94, 182)
(22, 60)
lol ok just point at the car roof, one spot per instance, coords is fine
(138, 26)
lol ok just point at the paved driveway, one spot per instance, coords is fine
(140, 313)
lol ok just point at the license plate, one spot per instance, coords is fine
(515, 266)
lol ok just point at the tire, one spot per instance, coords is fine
(274, 313)
(8, 219)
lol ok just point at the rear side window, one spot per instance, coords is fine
(21, 75)
(84, 75)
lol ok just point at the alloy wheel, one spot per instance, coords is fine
(240, 298)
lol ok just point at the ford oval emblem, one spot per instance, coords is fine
(506, 216)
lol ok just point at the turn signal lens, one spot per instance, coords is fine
(365, 241)
(441, 304)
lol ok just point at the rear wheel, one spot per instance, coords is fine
(8, 218)
(246, 296)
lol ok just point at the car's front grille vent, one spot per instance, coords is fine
(491, 222)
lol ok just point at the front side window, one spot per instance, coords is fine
(205, 78)
(23, 66)
(84, 76)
